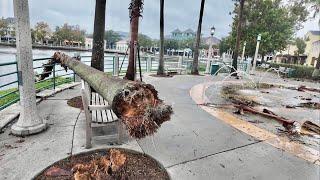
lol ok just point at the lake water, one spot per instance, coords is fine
(8, 54)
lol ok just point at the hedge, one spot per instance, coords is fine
(300, 71)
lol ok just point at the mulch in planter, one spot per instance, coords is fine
(109, 164)
(76, 102)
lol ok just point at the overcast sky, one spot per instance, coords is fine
(182, 14)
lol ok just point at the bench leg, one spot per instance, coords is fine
(120, 131)
(88, 115)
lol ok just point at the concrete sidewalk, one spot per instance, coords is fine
(193, 145)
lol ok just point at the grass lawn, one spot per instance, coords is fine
(14, 96)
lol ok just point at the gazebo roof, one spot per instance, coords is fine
(189, 31)
(176, 31)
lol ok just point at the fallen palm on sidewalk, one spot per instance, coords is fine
(137, 104)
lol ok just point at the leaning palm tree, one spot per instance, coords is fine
(194, 69)
(161, 59)
(236, 50)
(135, 11)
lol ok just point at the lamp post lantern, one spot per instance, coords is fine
(212, 31)
(256, 53)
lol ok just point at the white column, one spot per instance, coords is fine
(116, 65)
(256, 54)
(29, 121)
(244, 50)
(180, 62)
(210, 55)
(149, 64)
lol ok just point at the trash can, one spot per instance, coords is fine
(214, 69)
(290, 72)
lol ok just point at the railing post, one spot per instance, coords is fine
(18, 78)
(116, 65)
(180, 62)
(54, 76)
(149, 64)
(75, 77)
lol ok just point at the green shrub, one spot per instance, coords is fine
(300, 71)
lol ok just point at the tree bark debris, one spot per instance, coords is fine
(304, 88)
(135, 103)
(290, 125)
(100, 168)
(310, 126)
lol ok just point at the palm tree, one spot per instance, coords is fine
(194, 69)
(161, 60)
(135, 10)
(236, 50)
(97, 59)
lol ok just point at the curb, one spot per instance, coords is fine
(12, 112)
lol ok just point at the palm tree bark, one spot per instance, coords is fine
(97, 59)
(135, 103)
(161, 59)
(194, 69)
(135, 12)
(236, 51)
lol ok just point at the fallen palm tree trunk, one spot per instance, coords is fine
(135, 103)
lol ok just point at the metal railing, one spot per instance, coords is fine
(9, 91)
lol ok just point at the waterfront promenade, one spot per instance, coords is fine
(193, 145)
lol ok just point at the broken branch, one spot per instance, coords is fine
(290, 125)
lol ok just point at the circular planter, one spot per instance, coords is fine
(137, 166)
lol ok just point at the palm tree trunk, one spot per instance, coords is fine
(161, 60)
(194, 69)
(135, 103)
(135, 12)
(97, 59)
(236, 51)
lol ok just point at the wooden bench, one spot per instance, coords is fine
(99, 117)
(175, 67)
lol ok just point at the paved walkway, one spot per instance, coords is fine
(193, 145)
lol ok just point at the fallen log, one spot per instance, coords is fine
(136, 104)
(290, 125)
(304, 88)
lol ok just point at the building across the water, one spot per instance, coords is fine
(89, 43)
(9, 35)
(312, 39)
(182, 35)
(122, 45)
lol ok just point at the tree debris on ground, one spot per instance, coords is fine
(304, 88)
(137, 104)
(310, 126)
(112, 164)
(55, 172)
(291, 126)
(311, 105)
(100, 168)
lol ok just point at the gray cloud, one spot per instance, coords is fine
(178, 14)
(181, 14)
